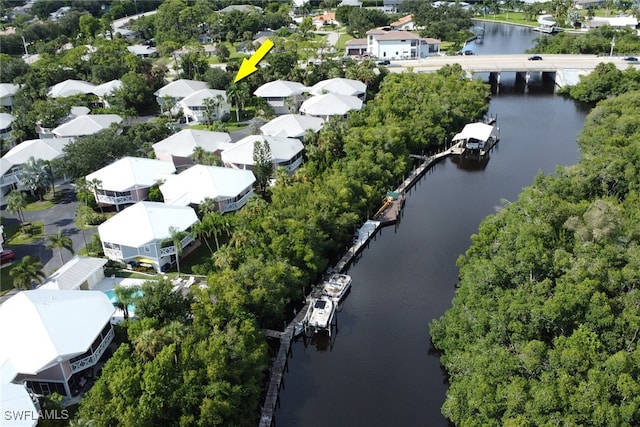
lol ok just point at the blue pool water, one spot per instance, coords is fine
(114, 300)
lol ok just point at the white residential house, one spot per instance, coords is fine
(39, 149)
(614, 21)
(404, 24)
(282, 95)
(140, 233)
(52, 339)
(340, 86)
(89, 124)
(392, 44)
(55, 16)
(127, 181)
(352, 3)
(6, 120)
(230, 188)
(69, 88)
(194, 106)
(292, 126)
(7, 92)
(356, 47)
(330, 104)
(79, 273)
(285, 152)
(16, 399)
(178, 148)
(143, 51)
(177, 90)
(246, 8)
(106, 90)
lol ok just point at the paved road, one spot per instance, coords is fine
(60, 216)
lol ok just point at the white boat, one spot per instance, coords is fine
(336, 286)
(320, 314)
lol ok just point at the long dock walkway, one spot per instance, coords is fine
(364, 234)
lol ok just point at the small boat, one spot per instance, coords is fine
(320, 314)
(336, 286)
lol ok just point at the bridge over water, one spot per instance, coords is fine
(564, 69)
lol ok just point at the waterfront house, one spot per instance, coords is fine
(177, 90)
(178, 148)
(282, 95)
(229, 188)
(140, 233)
(55, 338)
(194, 107)
(330, 104)
(70, 87)
(88, 124)
(128, 180)
(285, 152)
(292, 126)
(7, 93)
(385, 43)
(79, 273)
(340, 86)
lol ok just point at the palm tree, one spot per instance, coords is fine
(238, 92)
(60, 241)
(125, 296)
(174, 235)
(210, 108)
(27, 271)
(35, 175)
(16, 202)
(81, 222)
(93, 186)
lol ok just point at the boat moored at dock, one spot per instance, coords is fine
(336, 286)
(477, 139)
(320, 315)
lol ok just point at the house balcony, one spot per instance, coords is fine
(114, 200)
(10, 179)
(228, 206)
(171, 250)
(113, 253)
(92, 359)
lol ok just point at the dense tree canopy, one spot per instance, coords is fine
(544, 325)
(605, 81)
(596, 41)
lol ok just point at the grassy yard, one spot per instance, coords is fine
(48, 201)
(16, 236)
(509, 18)
(342, 42)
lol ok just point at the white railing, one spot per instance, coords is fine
(114, 200)
(9, 179)
(113, 253)
(293, 166)
(234, 206)
(171, 250)
(92, 359)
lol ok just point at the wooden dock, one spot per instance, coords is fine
(364, 234)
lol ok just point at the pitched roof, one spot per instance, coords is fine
(71, 275)
(8, 89)
(48, 324)
(86, 125)
(280, 89)
(107, 88)
(130, 172)
(403, 20)
(480, 131)
(330, 104)
(291, 125)
(242, 8)
(339, 86)
(200, 182)
(181, 88)
(397, 35)
(356, 42)
(15, 399)
(145, 222)
(183, 143)
(282, 149)
(69, 88)
(45, 149)
(197, 98)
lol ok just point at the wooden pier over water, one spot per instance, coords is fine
(364, 235)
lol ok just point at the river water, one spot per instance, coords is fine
(378, 370)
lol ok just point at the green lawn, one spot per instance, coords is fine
(15, 236)
(510, 18)
(48, 201)
(342, 42)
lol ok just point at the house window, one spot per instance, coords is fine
(147, 249)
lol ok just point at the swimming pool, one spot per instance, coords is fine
(114, 300)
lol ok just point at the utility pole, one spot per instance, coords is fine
(613, 43)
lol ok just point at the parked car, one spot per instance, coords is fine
(535, 58)
(631, 59)
(384, 62)
(7, 256)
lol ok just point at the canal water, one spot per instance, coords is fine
(378, 369)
